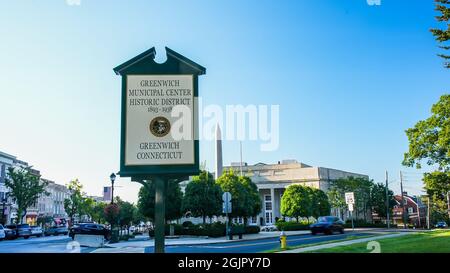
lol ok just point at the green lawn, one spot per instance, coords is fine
(423, 242)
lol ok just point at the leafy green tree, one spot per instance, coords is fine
(126, 213)
(78, 204)
(112, 212)
(337, 201)
(429, 139)
(437, 185)
(25, 188)
(360, 187)
(146, 201)
(320, 203)
(442, 35)
(296, 202)
(203, 197)
(378, 199)
(98, 212)
(138, 217)
(253, 200)
(245, 199)
(87, 207)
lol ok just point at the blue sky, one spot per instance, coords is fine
(349, 78)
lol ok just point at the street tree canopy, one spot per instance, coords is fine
(146, 201)
(245, 199)
(203, 197)
(429, 139)
(302, 201)
(25, 187)
(442, 35)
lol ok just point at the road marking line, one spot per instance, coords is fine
(262, 243)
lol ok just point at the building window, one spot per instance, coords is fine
(268, 218)
(268, 209)
(268, 202)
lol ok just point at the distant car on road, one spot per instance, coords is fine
(21, 230)
(327, 225)
(2, 232)
(441, 224)
(55, 230)
(36, 231)
(90, 229)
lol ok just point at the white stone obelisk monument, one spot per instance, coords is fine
(219, 162)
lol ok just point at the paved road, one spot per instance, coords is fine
(51, 244)
(255, 246)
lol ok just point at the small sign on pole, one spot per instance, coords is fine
(349, 198)
(226, 198)
(226, 207)
(350, 207)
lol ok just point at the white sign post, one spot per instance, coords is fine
(350, 200)
(226, 198)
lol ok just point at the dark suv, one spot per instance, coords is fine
(56, 230)
(21, 230)
(90, 229)
(327, 225)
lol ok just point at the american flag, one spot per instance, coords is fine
(107, 193)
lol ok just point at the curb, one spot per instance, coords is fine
(343, 243)
(226, 241)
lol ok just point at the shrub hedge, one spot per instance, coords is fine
(364, 224)
(211, 230)
(288, 226)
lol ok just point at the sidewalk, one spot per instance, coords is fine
(139, 244)
(343, 243)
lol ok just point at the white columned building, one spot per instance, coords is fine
(273, 179)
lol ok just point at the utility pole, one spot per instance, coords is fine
(403, 201)
(387, 202)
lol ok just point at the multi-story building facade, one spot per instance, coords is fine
(47, 205)
(6, 161)
(52, 205)
(273, 179)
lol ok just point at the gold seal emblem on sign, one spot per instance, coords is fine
(159, 126)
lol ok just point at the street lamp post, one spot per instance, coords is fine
(113, 178)
(115, 235)
(3, 210)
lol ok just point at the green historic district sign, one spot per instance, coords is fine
(149, 92)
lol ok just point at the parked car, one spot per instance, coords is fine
(56, 230)
(9, 233)
(90, 229)
(21, 230)
(327, 225)
(2, 233)
(36, 231)
(441, 224)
